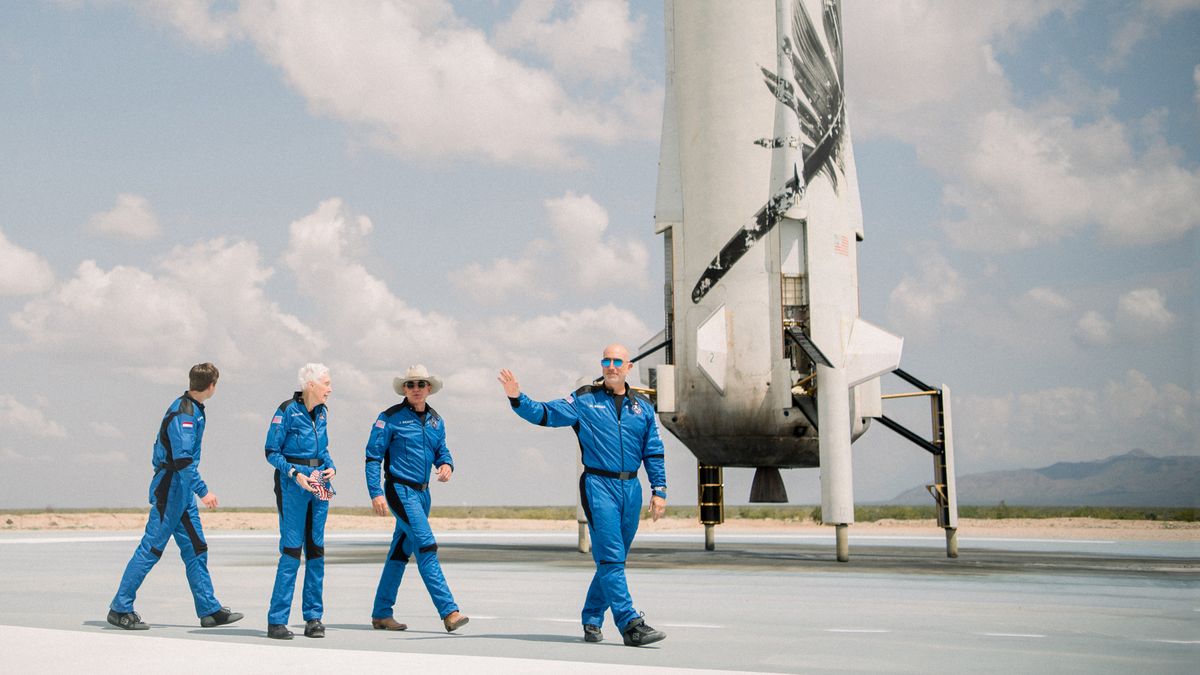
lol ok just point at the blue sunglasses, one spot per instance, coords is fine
(614, 363)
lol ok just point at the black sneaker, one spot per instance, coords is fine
(313, 628)
(126, 620)
(638, 634)
(278, 631)
(592, 633)
(220, 618)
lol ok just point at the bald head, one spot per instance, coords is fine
(614, 374)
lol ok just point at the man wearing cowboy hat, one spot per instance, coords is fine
(617, 433)
(406, 440)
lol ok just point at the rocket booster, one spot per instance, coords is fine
(772, 366)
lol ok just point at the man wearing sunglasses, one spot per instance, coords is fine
(406, 441)
(617, 433)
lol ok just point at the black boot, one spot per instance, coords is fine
(126, 620)
(220, 618)
(638, 634)
(313, 628)
(278, 631)
(592, 633)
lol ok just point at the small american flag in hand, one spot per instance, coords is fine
(321, 487)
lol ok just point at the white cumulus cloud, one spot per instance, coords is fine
(919, 63)
(1071, 423)
(123, 314)
(1093, 329)
(1031, 180)
(594, 41)
(357, 307)
(502, 278)
(17, 417)
(22, 272)
(1017, 174)
(918, 301)
(1142, 21)
(416, 79)
(206, 304)
(581, 250)
(105, 429)
(579, 224)
(1046, 298)
(1143, 313)
(1196, 81)
(130, 218)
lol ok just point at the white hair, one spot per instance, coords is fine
(312, 372)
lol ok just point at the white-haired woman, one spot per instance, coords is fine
(297, 445)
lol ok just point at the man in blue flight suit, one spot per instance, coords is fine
(617, 432)
(173, 492)
(406, 440)
(297, 444)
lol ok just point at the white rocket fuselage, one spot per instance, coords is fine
(758, 201)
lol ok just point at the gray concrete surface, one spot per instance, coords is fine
(761, 603)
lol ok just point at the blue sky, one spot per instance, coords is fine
(471, 186)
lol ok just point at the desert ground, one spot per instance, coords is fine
(1041, 528)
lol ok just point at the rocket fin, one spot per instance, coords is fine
(712, 347)
(871, 352)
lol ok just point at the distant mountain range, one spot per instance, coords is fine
(1136, 478)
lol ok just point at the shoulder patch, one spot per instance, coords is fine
(187, 425)
(278, 419)
(587, 389)
(380, 424)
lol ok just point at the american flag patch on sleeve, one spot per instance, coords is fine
(379, 424)
(278, 419)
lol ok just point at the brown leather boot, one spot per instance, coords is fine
(388, 623)
(454, 620)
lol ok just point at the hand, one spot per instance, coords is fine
(443, 473)
(380, 505)
(328, 474)
(658, 506)
(303, 481)
(511, 387)
(209, 500)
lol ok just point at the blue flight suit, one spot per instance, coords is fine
(173, 492)
(406, 444)
(613, 441)
(297, 440)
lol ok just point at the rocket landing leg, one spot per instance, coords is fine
(710, 484)
(843, 543)
(837, 488)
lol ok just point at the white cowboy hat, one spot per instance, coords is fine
(414, 373)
